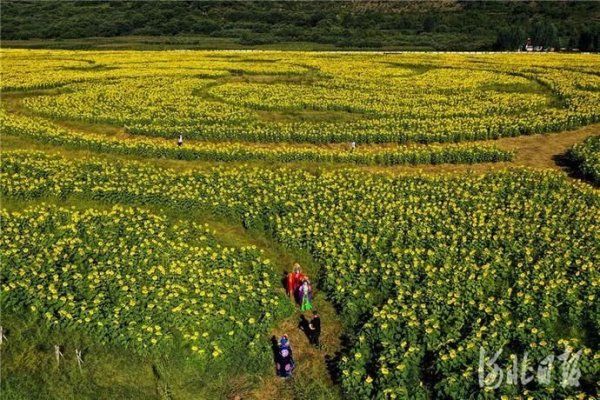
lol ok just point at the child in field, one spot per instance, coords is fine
(180, 141)
(305, 296)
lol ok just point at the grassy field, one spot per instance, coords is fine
(478, 144)
(421, 43)
(158, 43)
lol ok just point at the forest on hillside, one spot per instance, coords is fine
(437, 25)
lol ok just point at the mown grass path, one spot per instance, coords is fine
(535, 151)
(545, 151)
(312, 378)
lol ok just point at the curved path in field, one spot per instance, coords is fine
(532, 151)
(312, 371)
(535, 151)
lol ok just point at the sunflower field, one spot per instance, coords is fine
(309, 97)
(42, 131)
(127, 277)
(425, 270)
(586, 157)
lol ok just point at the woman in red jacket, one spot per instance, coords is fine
(294, 280)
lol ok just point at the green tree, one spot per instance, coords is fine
(545, 34)
(429, 23)
(509, 38)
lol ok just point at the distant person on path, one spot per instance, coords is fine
(180, 141)
(305, 296)
(352, 147)
(314, 329)
(294, 280)
(284, 361)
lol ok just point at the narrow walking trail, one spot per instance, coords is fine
(543, 150)
(312, 377)
(534, 151)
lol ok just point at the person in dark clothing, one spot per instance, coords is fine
(284, 360)
(303, 324)
(314, 329)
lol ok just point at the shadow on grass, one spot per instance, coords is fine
(333, 361)
(571, 168)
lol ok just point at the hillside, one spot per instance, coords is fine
(441, 25)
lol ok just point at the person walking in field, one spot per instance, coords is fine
(180, 141)
(284, 363)
(294, 280)
(314, 329)
(305, 296)
(352, 147)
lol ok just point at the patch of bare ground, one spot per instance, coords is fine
(544, 151)
(541, 151)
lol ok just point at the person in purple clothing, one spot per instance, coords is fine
(284, 362)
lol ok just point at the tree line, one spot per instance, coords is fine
(443, 25)
(546, 35)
